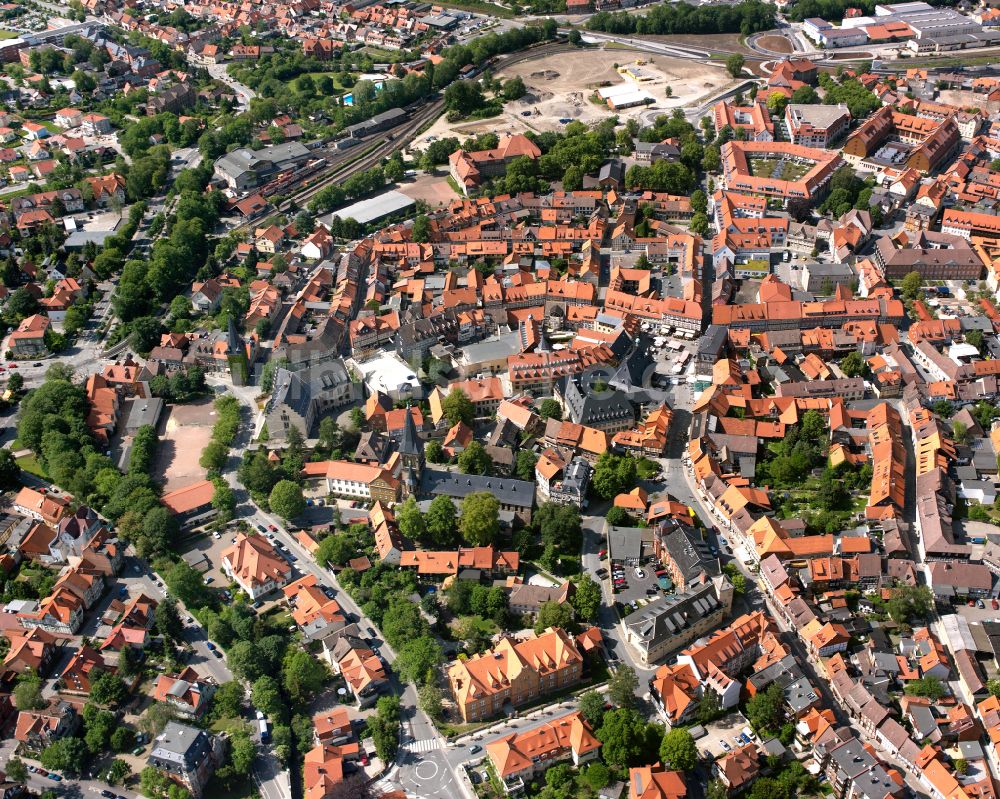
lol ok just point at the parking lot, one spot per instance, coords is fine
(210, 549)
(724, 735)
(636, 588)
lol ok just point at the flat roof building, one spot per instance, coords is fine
(374, 209)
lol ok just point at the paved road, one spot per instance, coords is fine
(244, 94)
(72, 789)
(422, 767)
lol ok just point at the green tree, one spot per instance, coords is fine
(479, 523)
(118, 772)
(550, 409)
(302, 676)
(28, 695)
(108, 689)
(525, 466)
(475, 460)
(626, 738)
(123, 739)
(613, 475)
(411, 520)
(168, 620)
(421, 228)
(242, 751)
(514, 89)
(384, 727)
(441, 521)
(337, 549)
(993, 686)
(766, 710)
(853, 364)
(227, 701)
(592, 708)
(929, 687)
(286, 499)
(16, 770)
(66, 754)
(907, 602)
(587, 598)
(709, 707)
(910, 285)
(597, 776)
(429, 697)
(619, 517)
(457, 407)
(266, 695)
(553, 614)
(622, 686)
(678, 750)
(417, 658)
(734, 65)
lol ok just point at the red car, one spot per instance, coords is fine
(364, 760)
(272, 528)
(996, 604)
(602, 553)
(12, 366)
(972, 603)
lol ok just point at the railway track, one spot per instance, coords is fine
(342, 166)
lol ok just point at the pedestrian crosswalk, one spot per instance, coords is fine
(426, 745)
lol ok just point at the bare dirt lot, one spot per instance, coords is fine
(186, 431)
(560, 87)
(720, 42)
(432, 189)
(775, 43)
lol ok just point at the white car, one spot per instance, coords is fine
(640, 574)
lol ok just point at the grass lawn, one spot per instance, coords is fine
(481, 7)
(228, 724)
(762, 167)
(333, 76)
(8, 34)
(383, 56)
(241, 788)
(30, 464)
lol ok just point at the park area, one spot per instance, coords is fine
(186, 431)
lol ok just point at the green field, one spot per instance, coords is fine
(333, 76)
(8, 34)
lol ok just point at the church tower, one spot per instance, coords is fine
(411, 455)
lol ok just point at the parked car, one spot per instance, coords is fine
(980, 604)
(474, 749)
(108, 794)
(996, 604)
(640, 574)
(272, 528)
(262, 528)
(54, 777)
(972, 603)
(211, 646)
(216, 535)
(138, 750)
